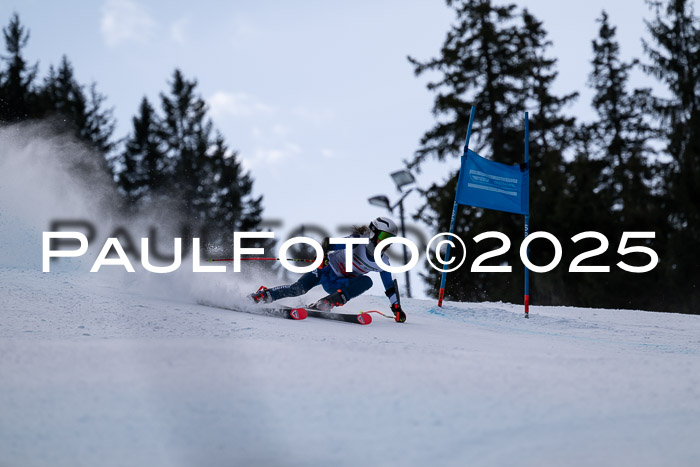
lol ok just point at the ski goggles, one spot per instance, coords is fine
(384, 236)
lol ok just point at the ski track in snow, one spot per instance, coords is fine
(98, 370)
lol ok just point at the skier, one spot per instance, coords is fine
(341, 284)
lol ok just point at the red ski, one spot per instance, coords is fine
(363, 318)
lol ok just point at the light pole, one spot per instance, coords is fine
(401, 178)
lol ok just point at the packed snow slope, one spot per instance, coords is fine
(96, 369)
(117, 369)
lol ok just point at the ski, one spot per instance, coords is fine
(277, 312)
(363, 318)
(360, 318)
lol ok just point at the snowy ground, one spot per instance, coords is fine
(96, 371)
(115, 369)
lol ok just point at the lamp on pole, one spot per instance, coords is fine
(401, 178)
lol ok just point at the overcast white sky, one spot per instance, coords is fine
(317, 96)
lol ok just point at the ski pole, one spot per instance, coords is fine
(262, 259)
(377, 311)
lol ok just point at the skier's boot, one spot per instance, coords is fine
(337, 298)
(261, 296)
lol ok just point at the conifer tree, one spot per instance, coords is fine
(674, 55)
(232, 187)
(143, 159)
(551, 134)
(622, 134)
(476, 63)
(214, 193)
(60, 97)
(186, 133)
(612, 174)
(65, 99)
(16, 80)
(477, 66)
(496, 59)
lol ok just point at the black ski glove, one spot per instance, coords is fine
(399, 315)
